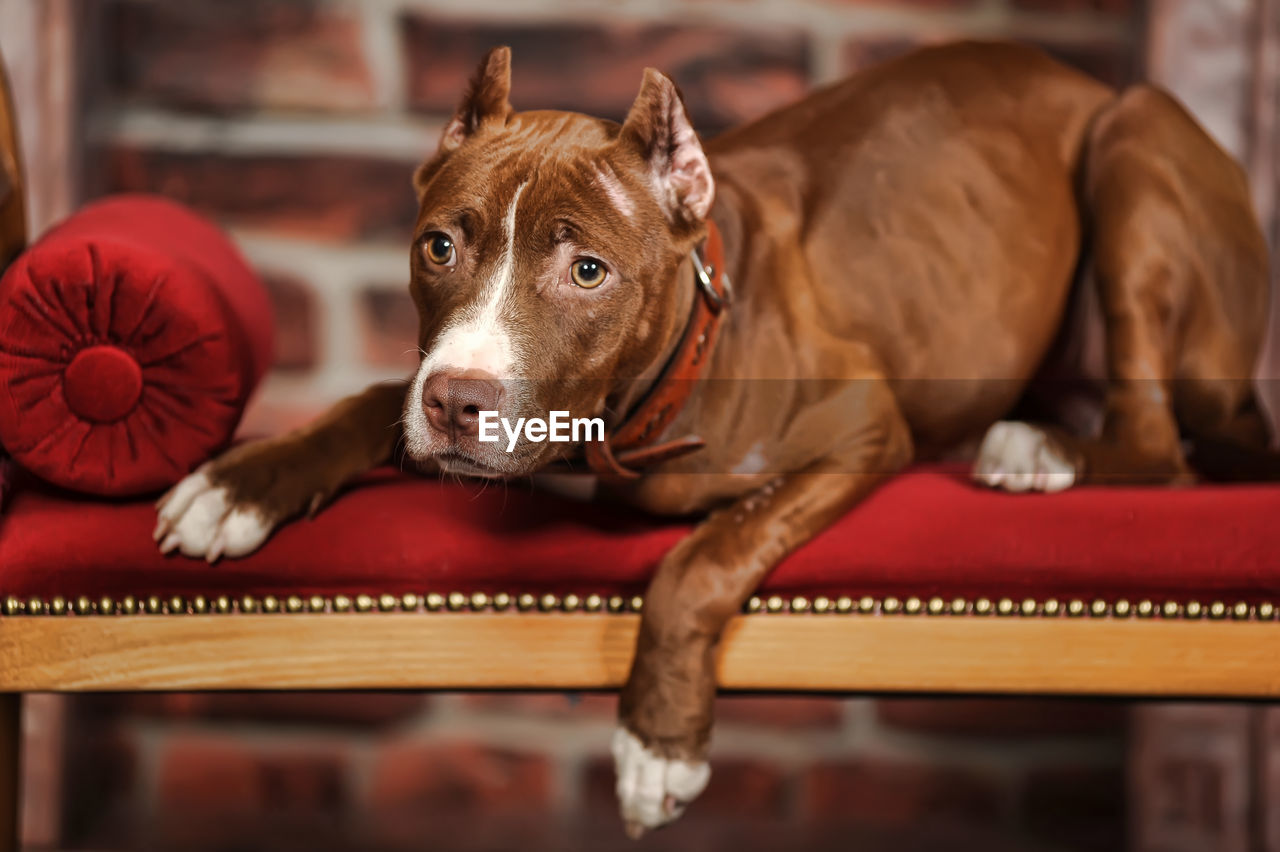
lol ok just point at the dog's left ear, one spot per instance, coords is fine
(485, 100)
(658, 127)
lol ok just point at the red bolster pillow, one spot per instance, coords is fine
(131, 336)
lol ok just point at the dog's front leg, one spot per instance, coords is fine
(230, 505)
(666, 706)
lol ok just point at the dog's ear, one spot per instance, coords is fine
(485, 99)
(659, 128)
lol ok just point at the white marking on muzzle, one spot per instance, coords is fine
(478, 339)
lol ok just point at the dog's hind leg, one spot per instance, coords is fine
(1180, 267)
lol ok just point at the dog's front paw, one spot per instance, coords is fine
(1020, 457)
(200, 517)
(653, 790)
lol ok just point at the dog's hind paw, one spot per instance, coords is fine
(1017, 456)
(198, 518)
(653, 790)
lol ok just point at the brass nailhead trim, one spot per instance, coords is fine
(570, 602)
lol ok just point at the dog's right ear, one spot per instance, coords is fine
(485, 100)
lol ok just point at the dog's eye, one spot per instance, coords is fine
(587, 272)
(439, 250)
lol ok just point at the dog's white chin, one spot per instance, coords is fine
(459, 466)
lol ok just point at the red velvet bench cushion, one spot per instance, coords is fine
(926, 534)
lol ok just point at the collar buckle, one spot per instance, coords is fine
(705, 275)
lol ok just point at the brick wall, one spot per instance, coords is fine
(297, 125)
(506, 771)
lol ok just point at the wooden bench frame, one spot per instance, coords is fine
(463, 642)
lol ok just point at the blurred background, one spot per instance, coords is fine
(297, 126)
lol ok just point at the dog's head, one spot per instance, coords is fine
(544, 264)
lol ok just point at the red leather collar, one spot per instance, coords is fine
(630, 446)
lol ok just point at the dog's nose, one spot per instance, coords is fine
(453, 400)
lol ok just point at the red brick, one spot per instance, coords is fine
(322, 196)
(214, 774)
(782, 711)
(738, 786)
(457, 776)
(882, 791)
(1191, 776)
(388, 327)
(237, 54)
(1111, 7)
(1003, 717)
(297, 336)
(727, 76)
(594, 704)
(1076, 807)
(1110, 62)
(339, 708)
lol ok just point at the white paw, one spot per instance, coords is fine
(1019, 457)
(652, 790)
(198, 518)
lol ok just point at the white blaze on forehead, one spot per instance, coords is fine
(615, 191)
(481, 339)
(478, 339)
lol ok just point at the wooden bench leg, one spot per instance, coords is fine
(10, 781)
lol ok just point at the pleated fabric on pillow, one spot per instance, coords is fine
(131, 336)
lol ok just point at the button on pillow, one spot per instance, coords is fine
(131, 336)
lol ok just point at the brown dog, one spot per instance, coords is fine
(902, 248)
